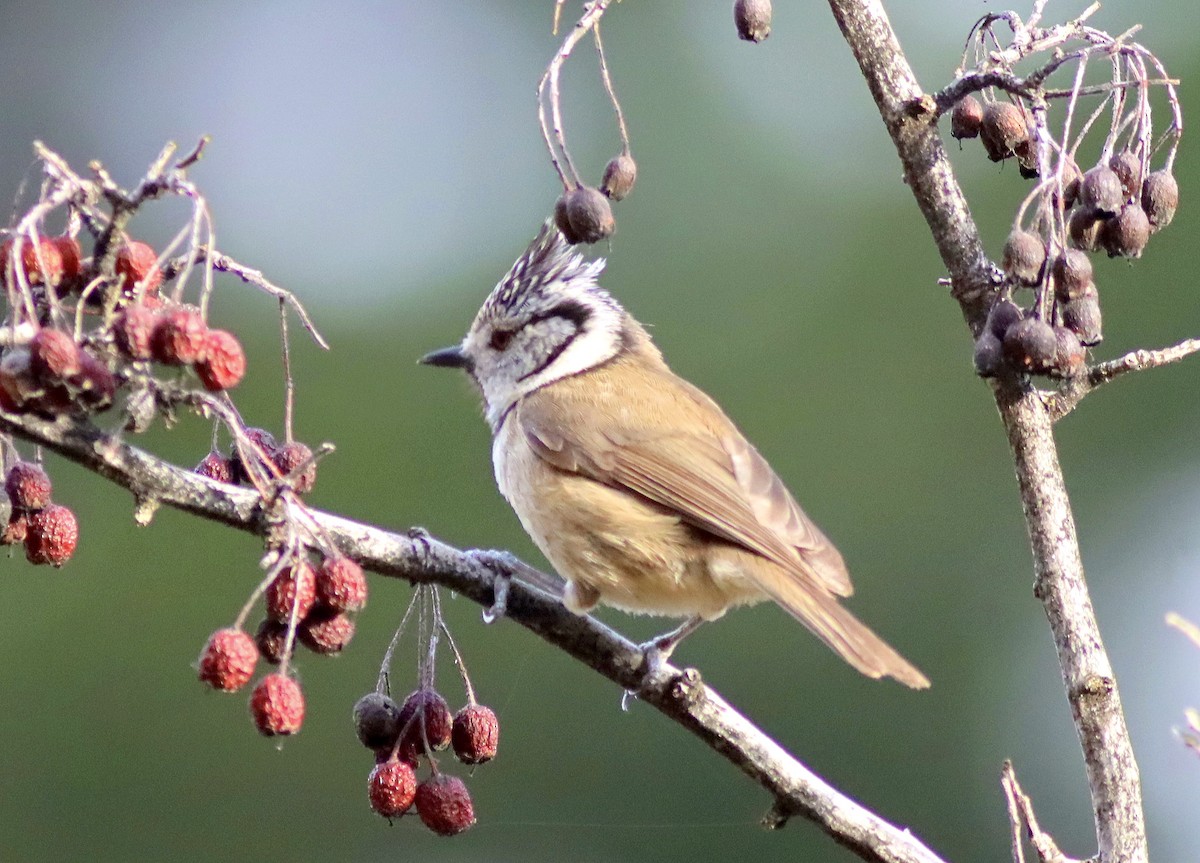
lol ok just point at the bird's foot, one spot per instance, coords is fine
(657, 651)
(501, 565)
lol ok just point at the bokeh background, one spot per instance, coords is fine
(382, 161)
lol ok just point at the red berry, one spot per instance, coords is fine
(377, 721)
(179, 337)
(444, 804)
(53, 534)
(215, 466)
(341, 584)
(290, 457)
(132, 329)
(53, 356)
(70, 253)
(294, 587)
(40, 262)
(97, 386)
(271, 638)
(391, 788)
(425, 707)
(15, 530)
(326, 632)
(476, 734)
(224, 363)
(261, 438)
(27, 486)
(228, 660)
(137, 262)
(277, 705)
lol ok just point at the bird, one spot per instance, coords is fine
(633, 483)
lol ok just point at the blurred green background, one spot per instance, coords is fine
(382, 160)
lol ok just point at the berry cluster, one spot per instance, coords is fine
(401, 736)
(309, 604)
(1115, 206)
(583, 213)
(48, 530)
(259, 454)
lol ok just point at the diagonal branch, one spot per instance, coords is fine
(910, 117)
(418, 557)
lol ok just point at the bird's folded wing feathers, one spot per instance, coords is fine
(716, 482)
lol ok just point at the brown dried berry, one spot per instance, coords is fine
(277, 706)
(562, 222)
(966, 118)
(1084, 229)
(1072, 177)
(40, 262)
(53, 356)
(1003, 130)
(589, 214)
(1024, 257)
(1160, 198)
(1102, 190)
(326, 632)
(1069, 357)
(1125, 235)
(444, 804)
(1082, 317)
(179, 337)
(1002, 315)
(296, 456)
(1027, 158)
(224, 362)
(70, 254)
(27, 486)
(619, 176)
(137, 262)
(392, 787)
(752, 19)
(132, 329)
(476, 734)
(294, 588)
(1128, 169)
(425, 707)
(341, 584)
(261, 438)
(376, 721)
(228, 660)
(52, 536)
(271, 638)
(215, 466)
(1030, 345)
(97, 386)
(1072, 274)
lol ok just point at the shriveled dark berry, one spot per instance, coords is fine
(589, 214)
(1082, 317)
(261, 438)
(297, 457)
(1083, 228)
(1160, 198)
(1128, 169)
(1002, 315)
(988, 355)
(1125, 235)
(53, 356)
(476, 734)
(271, 639)
(1024, 256)
(1069, 357)
(1030, 345)
(1072, 178)
(619, 176)
(562, 222)
(1003, 130)
(425, 716)
(752, 19)
(1027, 158)
(1102, 190)
(376, 721)
(966, 118)
(215, 466)
(96, 385)
(1072, 274)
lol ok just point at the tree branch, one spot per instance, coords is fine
(678, 694)
(910, 116)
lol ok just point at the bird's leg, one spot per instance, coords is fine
(657, 651)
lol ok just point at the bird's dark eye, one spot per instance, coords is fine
(501, 339)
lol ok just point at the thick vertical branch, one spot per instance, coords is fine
(1060, 585)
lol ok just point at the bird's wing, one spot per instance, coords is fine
(708, 474)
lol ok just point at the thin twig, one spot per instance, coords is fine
(1073, 392)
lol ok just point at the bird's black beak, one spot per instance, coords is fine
(448, 358)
